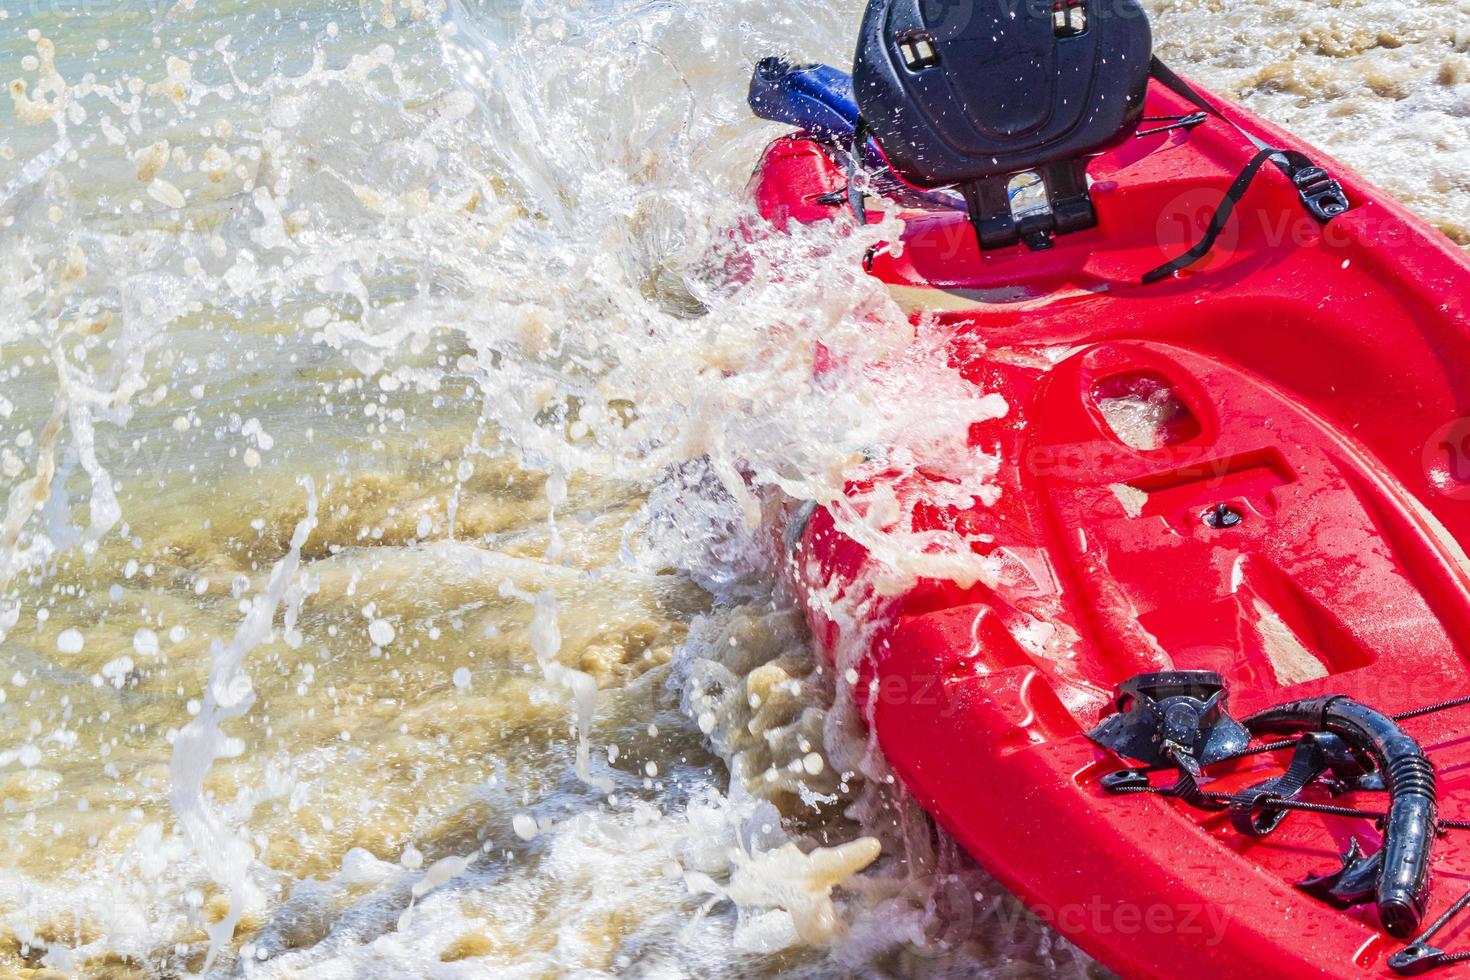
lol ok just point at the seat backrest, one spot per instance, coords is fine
(962, 90)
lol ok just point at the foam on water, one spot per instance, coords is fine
(395, 406)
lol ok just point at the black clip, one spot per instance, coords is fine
(1420, 957)
(1321, 194)
(1183, 122)
(1416, 959)
(1126, 781)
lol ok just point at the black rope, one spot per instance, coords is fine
(1287, 743)
(1177, 122)
(1186, 789)
(1325, 809)
(1447, 958)
(1443, 920)
(1184, 90)
(1442, 705)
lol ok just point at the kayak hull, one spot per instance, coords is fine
(1314, 381)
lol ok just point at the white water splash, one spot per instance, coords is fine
(227, 854)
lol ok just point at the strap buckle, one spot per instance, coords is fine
(1320, 192)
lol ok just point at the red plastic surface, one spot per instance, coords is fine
(1320, 376)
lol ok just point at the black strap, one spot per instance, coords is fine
(1185, 91)
(1308, 762)
(1222, 214)
(1321, 195)
(1188, 790)
(854, 193)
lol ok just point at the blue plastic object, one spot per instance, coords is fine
(820, 100)
(815, 98)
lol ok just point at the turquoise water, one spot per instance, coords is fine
(381, 389)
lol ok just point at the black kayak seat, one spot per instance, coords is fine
(970, 93)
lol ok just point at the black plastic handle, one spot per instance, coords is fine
(1408, 835)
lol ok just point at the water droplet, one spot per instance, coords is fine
(381, 632)
(145, 643)
(524, 826)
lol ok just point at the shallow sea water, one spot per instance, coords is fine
(394, 402)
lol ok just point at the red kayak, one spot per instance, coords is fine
(1238, 486)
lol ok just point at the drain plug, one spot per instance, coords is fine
(1223, 515)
